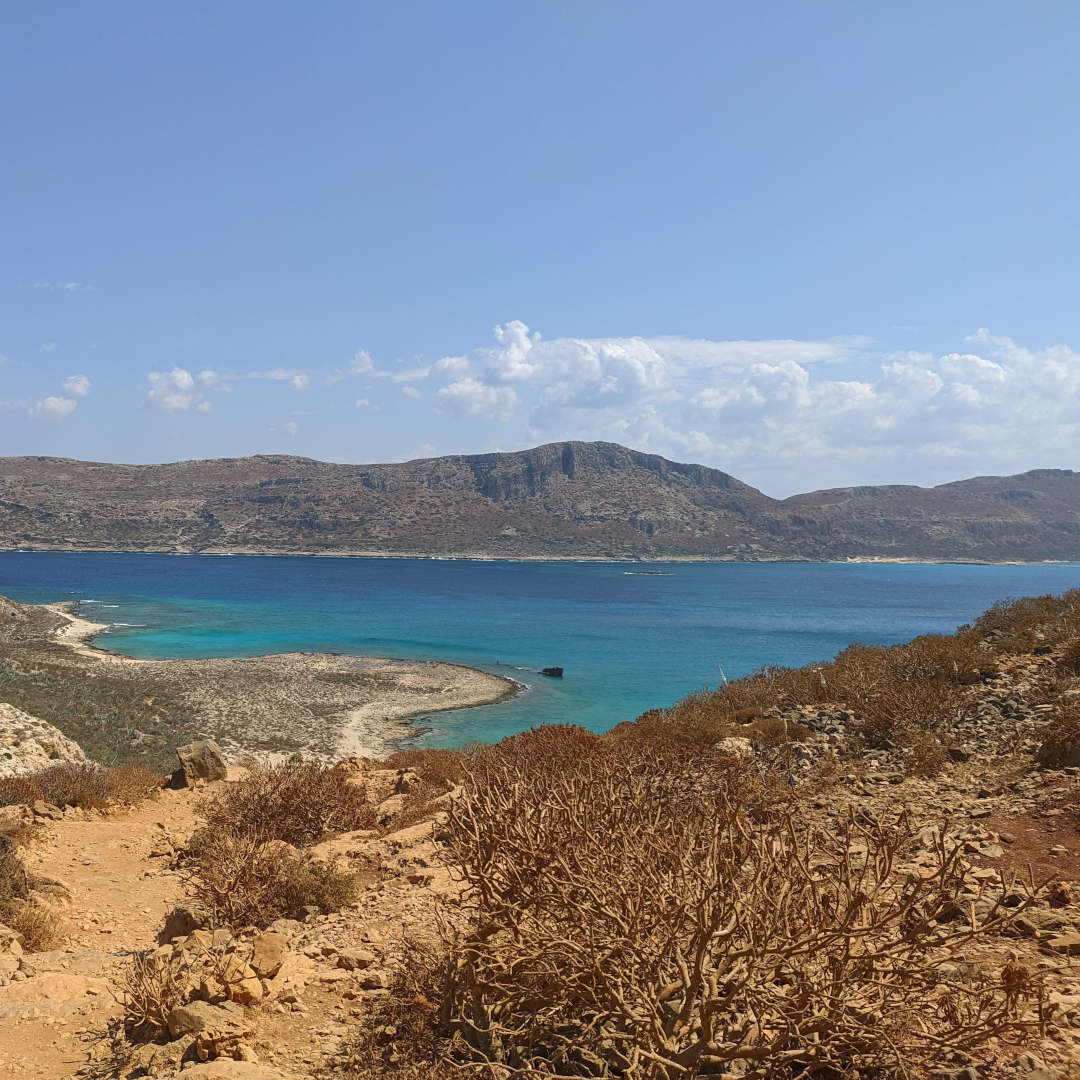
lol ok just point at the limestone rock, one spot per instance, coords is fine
(224, 1069)
(353, 959)
(199, 1018)
(200, 761)
(268, 954)
(184, 920)
(735, 747)
(28, 745)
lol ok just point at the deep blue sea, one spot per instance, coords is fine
(628, 641)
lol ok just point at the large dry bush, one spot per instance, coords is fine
(1059, 740)
(85, 785)
(248, 881)
(1019, 625)
(299, 802)
(1069, 662)
(895, 710)
(628, 917)
(437, 769)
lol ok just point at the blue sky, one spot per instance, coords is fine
(810, 244)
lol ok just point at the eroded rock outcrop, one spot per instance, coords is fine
(28, 745)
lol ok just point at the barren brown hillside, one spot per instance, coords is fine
(568, 499)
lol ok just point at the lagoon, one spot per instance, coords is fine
(630, 636)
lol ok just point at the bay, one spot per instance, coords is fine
(629, 636)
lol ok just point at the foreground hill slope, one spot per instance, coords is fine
(568, 499)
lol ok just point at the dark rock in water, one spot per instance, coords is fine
(552, 672)
(200, 760)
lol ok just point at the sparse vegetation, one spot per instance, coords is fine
(248, 881)
(115, 719)
(626, 915)
(1060, 741)
(298, 801)
(152, 985)
(38, 924)
(87, 786)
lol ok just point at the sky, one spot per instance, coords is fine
(811, 244)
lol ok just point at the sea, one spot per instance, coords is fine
(629, 637)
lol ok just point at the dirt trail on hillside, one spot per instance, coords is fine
(120, 893)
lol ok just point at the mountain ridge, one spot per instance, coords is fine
(567, 499)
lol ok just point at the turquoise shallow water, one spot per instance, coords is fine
(628, 641)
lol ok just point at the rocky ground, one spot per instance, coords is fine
(116, 881)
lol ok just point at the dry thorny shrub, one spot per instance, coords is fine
(246, 880)
(85, 785)
(299, 802)
(626, 916)
(39, 925)
(1060, 738)
(151, 986)
(1019, 625)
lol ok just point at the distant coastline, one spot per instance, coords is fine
(488, 557)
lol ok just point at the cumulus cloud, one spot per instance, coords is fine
(76, 386)
(780, 407)
(54, 408)
(179, 391)
(471, 397)
(301, 381)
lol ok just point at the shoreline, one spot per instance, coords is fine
(403, 690)
(617, 560)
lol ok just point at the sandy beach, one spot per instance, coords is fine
(324, 704)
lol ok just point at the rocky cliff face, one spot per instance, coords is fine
(28, 745)
(559, 500)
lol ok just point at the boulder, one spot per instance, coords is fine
(389, 807)
(199, 762)
(184, 920)
(552, 672)
(224, 1069)
(353, 959)
(10, 941)
(268, 954)
(200, 1017)
(407, 781)
(735, 747)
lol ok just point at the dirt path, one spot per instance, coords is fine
(116, 872)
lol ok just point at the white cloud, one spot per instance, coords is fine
(63, 286)
(301, 381)
(363, 403)
(411, 392)
(470, 397)
(76, 386)
(290, 428)
(54, 408)
(49, 346)
(177, 391)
